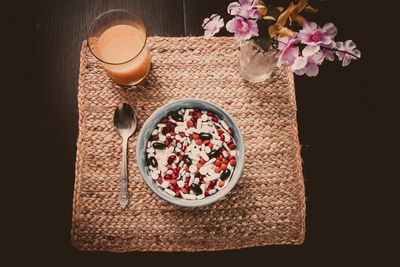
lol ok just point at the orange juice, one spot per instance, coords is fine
(124, 53)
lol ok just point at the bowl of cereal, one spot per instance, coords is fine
(190, 152)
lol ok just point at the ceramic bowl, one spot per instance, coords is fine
(150, 125)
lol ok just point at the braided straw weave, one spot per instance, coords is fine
(267, 206)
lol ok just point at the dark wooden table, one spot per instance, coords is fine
(335, 118)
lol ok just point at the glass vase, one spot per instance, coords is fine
(255, 64)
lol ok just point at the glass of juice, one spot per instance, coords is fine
(117, 38)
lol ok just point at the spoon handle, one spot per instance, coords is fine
(123, 193)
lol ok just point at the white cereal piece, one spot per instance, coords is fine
(162, 137)
(179, 145)
(173, 165)
(233, 152)
(188, 196)
(148, 144)
(169, 172)
(190, 147)
(178, 137)
(194, 156)
(172, 120)
(196, 180)
(154, 174)
(176, 160)
(198, 125)
(195, 130)
(169, 192)
(211, 171)
(189, 132)
(212, 191)
(216, 142)
(226, 146)
(186, 114)
(150, 150)
(179, 129)
(224, 125)
(191, 179)
(193, 168)
(171, 149)
(165, 184)
(207, 149)
(224, 153)
(178, 149)
(155, 132)
(180, 183)
(164, 169)
(203, 170)
(206, 129)
(182, 172)
(227, 137)
(204, 155)
(179, 123)
(181, 164)
(204, 117)
(181, 111)
(215, 176)
(200, 196)
(203, 187)
(210, 161)
(161, 125)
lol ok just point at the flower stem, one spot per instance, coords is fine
(326, 48)
(337, 50)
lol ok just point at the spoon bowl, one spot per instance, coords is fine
(125, 123)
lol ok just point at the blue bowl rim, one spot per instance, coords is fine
(209, 199)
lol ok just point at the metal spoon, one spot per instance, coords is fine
(125, 124)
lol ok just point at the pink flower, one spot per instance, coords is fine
(350, 47)
(244, 8)
(313, 35)
(308, 65)
(243, 29)
(287, 51)
(212, 25)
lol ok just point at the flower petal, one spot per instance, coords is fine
(310, 50)
(346, 61)
(311, 69)
(299, 63)
(329, 30)
(233, 8)
(349, 45)
(318, 58)
(300, 71)
(309, 26)
(357, 53)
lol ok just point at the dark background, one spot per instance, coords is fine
(348, 214)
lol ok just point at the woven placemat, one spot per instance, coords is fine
(267, 206)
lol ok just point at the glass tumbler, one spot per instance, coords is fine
(117, 38)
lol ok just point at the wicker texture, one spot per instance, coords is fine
(267, 206)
